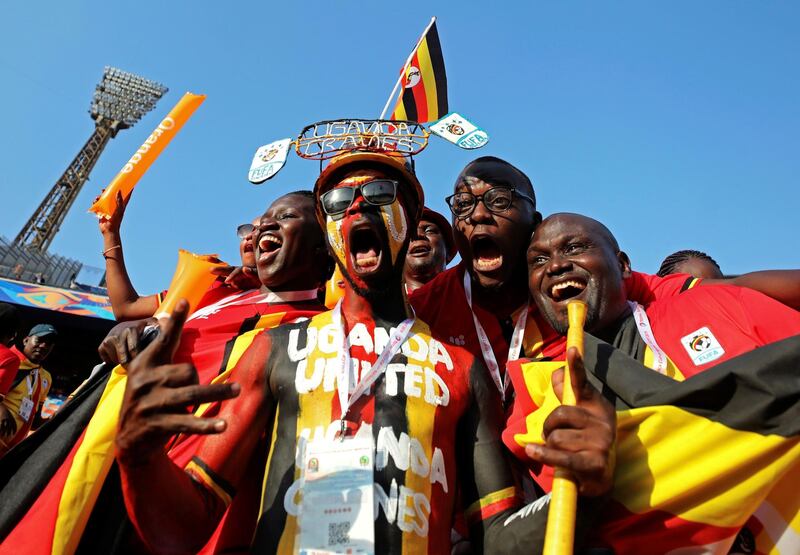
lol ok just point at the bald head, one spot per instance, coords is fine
(575, 257)
(592, 226)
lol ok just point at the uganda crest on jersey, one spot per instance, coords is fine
(412, 415)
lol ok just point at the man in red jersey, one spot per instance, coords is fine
(9, 366)
(483, 303)
(430, 250)
(366, 388)
(572, 257)
(292, 262)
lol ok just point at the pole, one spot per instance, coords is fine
(405, 67)
(560, 533)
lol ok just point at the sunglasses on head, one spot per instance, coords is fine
(379, 192)
(244, 230)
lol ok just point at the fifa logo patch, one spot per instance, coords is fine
(702, 346)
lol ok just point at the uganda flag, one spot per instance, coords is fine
(423, 96)
(60, 488)
(707, 465)
(50, 482)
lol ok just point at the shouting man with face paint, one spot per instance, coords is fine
(367, 412)
(291, 258)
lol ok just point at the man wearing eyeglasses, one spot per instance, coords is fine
(365, 394)
(292, 262)
(483, 304)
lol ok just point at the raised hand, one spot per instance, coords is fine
(580, 438)
(159, 397)
(112, 224)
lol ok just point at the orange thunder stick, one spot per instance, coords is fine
(560, 533)
(146, 154)
(191, 280)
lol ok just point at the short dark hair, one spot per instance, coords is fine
(527, 183)
(9, 320)
(676, 258)
(302, 193)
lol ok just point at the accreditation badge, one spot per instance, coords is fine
(268, 161)
(460, 131)
(336, 511)
(26, 409)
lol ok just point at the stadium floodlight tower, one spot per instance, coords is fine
(120, 100)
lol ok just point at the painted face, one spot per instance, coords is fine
(427, 254)
(246, 248)
(571, 258)
(493, 245)
(37, 348)
(289, 245)
(368, 240)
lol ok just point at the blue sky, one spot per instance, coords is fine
(676, 124)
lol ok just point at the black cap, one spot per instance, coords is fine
(40, 330)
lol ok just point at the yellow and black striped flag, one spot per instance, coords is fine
(707, 465)
(423, 96)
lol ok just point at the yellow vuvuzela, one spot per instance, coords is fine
(560, 533)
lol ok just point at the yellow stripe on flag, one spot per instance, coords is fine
(731, 471)
(672, 460)
(779, 517)
(90, 467)
(399, 112)
(428, 80)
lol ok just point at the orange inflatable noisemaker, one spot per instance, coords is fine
(191, 281)
(133, 170)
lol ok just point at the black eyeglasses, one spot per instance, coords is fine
(379, 192)
(244, 230)
(496, 200)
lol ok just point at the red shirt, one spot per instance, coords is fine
(697, 330)
(213, 338)
(9, 365)
(209, 333)
(442, 304)
(705, 326)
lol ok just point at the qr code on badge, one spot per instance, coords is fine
(338, 533)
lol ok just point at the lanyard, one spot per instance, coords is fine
(486, 347)
(396, 340)
(643, 326)
(30, 384)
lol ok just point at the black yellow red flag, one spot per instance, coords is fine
(423, 96)
(701, 463)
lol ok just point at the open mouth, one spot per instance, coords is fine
(365, 249)
(419, 249)
(268, 245)
(486, 255)
(567, 289)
